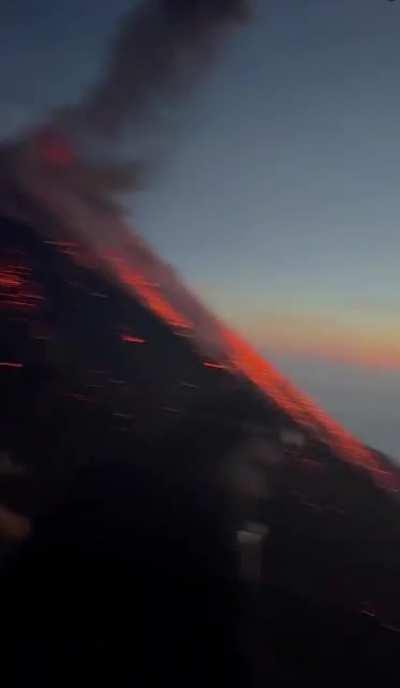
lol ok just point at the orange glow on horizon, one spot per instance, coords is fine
(352, 334)
(373, 360)
(380, 357)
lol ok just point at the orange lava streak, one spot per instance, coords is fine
(242, 358)
(149, 295)
(17, 289)
(299, 407)
(132, 340)
(217, 366)
(9, 281)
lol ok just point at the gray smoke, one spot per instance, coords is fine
(160, 49)
(67, 177)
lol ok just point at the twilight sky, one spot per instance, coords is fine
(279, 199)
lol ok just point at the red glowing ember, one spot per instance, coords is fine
(247, 362)
(17, 289)
(216, 366)
(132, 340)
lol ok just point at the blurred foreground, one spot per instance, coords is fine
(171, 508)
(175, 521)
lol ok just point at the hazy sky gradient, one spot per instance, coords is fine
(279, 202)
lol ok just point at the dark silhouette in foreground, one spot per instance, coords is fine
(115, 433)
(128, 582)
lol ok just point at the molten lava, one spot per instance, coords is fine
(239, 356)
(17, 289)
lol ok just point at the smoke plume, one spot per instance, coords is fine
(160, 49)
(78, 162)
(68, 176)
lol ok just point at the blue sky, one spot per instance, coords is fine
(278, 201)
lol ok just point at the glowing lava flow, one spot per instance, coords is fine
(300, 408)
(17, 290)
(115, 248)
(149, 295)
(238, 356)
